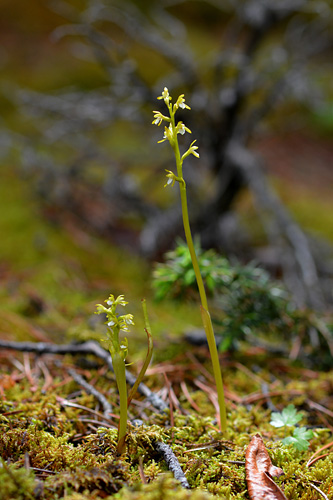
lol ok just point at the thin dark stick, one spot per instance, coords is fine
(172, 462)
(36, 469)
(235, 462)
(89, 347)
(90, 389)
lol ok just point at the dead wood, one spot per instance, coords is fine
(172, 462)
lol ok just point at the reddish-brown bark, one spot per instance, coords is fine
(259, 472)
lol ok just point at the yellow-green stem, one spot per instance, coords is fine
(207, 322)
(202, 292)
(148, 356)
(119, 371)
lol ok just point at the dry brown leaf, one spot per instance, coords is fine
(259, 472)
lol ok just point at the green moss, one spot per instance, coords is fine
(45, 450)
(106, 480)
(17, 483)
(164, 487)
(89, 468)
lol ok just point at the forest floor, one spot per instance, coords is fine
(58, 441)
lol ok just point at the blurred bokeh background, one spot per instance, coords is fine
(81, 195)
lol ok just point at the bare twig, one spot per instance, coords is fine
(172, 462)
(90, 389)
(65, 402)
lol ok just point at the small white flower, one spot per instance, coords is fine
(165, 93)
(181, 103)
(158, 118)
(110, 300)
(111, 323)
(171, 178)
(168, 134)
(191, 151)
(157, 121)
(181, 129)
(165, 96)
(120, 300)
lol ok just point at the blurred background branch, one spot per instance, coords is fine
(249, 69)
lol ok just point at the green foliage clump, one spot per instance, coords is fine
(245, 301)
(248, 297)
(176, 279)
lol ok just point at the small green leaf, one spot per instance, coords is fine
(288, 417)
(299, 439)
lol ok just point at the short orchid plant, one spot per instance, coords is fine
(118, 349)
(171, 131)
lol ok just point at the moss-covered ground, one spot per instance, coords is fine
(55, 441)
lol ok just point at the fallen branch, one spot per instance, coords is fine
(89, 347)
(172, 462)
(296, 256)
(90, 389)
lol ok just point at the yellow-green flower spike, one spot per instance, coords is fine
(170, 133)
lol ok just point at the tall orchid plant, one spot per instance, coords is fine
(171, 132)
